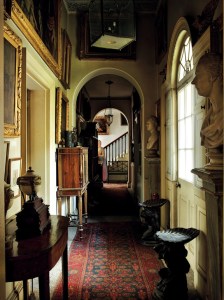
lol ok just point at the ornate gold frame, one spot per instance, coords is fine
(14, 129)
(62, 116)
(32, 36)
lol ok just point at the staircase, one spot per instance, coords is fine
(117, 157)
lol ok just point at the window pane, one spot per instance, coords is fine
(188, 99)
(181, 104)
(181, 164)
(186, 116)
(186, 59)
(189, 165)
(181, 139)
(189, 132)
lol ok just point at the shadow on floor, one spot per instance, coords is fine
(113, 199)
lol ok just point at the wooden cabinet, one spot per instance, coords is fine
(72, 179)
(72, 170)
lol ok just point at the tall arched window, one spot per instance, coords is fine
(185, 96)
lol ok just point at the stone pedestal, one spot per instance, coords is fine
(153, 175)
(213, 186)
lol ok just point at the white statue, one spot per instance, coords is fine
(153, 140)
(209, 83)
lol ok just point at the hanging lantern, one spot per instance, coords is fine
(108, 111)
(112, 23)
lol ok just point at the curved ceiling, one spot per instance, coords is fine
(97, 88)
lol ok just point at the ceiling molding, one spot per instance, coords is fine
(141, 6)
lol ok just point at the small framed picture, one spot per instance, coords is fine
(6, 160)
(101, 125)
(12, 82)
(14, 173)
(62, 116)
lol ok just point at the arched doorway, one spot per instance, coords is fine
(115, 144)
(126, 103)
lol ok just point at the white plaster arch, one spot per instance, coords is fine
(102, 71)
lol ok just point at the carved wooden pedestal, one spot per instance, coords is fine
(213, 186)
(173, 283)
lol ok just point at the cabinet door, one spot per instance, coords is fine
(69, 169)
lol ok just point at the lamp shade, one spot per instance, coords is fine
(112, 23)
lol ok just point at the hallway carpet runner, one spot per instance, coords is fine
(110, 264)
(114, 199)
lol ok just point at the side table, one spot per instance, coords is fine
(151, 214)
(80, 193)
(35, 257)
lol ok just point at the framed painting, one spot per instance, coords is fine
(39, 21)
(88, 52)
(12, 82)
(66, 59)
(161, 32)
(6, 160)
(62, 116)
(14, 173)
(101, 125)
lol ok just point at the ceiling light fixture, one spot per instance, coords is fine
(108, 111)
(112, 23)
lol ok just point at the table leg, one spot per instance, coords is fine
(85, 206)
(59, 201)
(68, 206)
(44, 286)
(25, 289)
(65, 273)
(80, 218)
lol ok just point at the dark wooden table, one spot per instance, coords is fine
(35, 257)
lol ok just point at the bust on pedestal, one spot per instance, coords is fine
(153, 140)
(209, 83)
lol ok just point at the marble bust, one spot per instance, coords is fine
(209, 83)
(153, 140)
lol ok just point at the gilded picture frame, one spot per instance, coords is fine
(66, 59)
(101, 125)
(62, 116)
(41, 27)
(12, 83)
(15, 165)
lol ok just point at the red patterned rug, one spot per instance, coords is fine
(110, 264)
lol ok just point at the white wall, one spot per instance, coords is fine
(115, 129)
